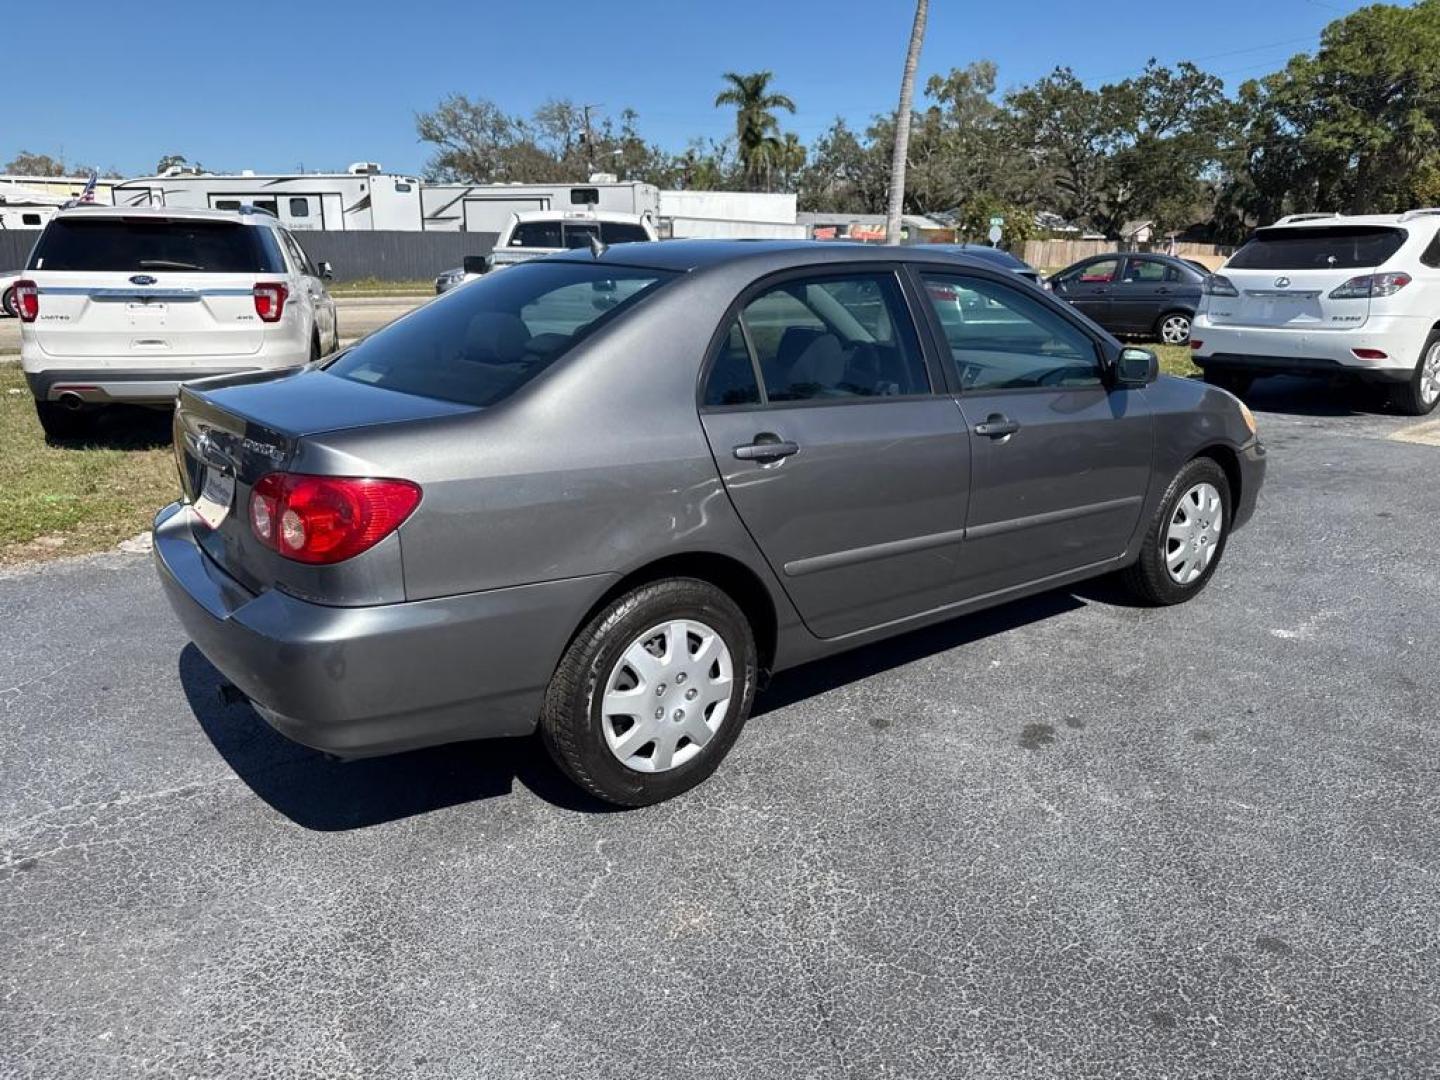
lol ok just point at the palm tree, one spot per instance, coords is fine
(756, 129)
(902, 124)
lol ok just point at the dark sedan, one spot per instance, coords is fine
(1140, 295)
(999, 258)
(606, 493)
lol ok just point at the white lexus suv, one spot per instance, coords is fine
(1326, 295)
(122, 304)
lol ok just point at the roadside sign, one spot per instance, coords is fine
(996, 222)
(995, 234)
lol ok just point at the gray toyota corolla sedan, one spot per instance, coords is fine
(607, 493)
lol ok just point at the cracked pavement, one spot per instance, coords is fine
(1065, 838)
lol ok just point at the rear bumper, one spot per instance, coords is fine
(110, 386)
(1263, 350)
(361, 681)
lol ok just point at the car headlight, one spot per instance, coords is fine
(1248, 417)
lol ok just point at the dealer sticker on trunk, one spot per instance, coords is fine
(216, 495)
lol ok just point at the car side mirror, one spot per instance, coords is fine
(1136, 367)
(477, 264)
(326, 271)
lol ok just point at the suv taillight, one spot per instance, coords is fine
(327, 519)
(27, 300)
(270, 300)
(1369, 285)
(1218, 285)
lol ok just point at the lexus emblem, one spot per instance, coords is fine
(142, 279)
(1282, 283)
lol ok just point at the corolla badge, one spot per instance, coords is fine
(142, 279)
(1282, 283)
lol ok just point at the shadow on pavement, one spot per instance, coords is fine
(322, 793)
(1318, 397)
(123, 427)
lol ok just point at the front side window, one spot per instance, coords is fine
(479, 344)
(1100, 272)
(302, 262)
(1001, 339)
(835, 337)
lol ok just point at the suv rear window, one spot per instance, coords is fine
(573, 234)
(479, 344)
(1337, 247)
(101, 244)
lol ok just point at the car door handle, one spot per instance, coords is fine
(765, 448)
(997, 426)
(1162, 290)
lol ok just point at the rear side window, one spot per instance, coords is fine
(732, 376)
(1337, 247)
(129, 244)
(1431, 255)
(479, 344)
(537, 234)
(1143, 270)
(835, 337)
(622, 232)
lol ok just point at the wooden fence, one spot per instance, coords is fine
(1057, 254)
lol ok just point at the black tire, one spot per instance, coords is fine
(1160, 323)
(7, 302)
(571, 718)
(1237, 382)
(1149, 578)
(1409, 397)
(62, 424)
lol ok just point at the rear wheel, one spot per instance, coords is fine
(64, 424)
(1174, 328)
(7, 301)
(652, 693)
(1419, 394)
(1186, 538)
(1237, 382)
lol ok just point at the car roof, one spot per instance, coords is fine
(1326, 221)
(767, 255)
(169, 213)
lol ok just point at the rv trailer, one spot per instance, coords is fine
(363, 197)
(487, 208)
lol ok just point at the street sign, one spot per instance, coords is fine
(995, 234)
(996, 222)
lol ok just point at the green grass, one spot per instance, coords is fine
(1174, 359)
(372, 286)
(70, 499)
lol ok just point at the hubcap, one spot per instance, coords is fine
(1194, 533)
(1430, 376)
(667, 695)
(1175, 330)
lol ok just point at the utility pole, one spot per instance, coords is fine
(589, 138)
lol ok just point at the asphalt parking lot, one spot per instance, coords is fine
(1066, 838)
(357, 316)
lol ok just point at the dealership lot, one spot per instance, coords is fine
(1068, 837)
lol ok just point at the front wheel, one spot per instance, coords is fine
(1186, 537)
(652, 693)
(1174, 328)
(1419, 394)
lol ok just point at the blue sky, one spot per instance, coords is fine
(274, 86)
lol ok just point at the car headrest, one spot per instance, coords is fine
(822, 363)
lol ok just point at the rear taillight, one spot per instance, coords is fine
(1217, 285)
(270, 300)
(327, 519)
(27, 300)
(1196, 343)
(1371, 285)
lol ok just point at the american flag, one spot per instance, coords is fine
(87, 194)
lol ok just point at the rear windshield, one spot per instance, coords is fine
(1338, 247)
(573, 234)
(213, 247)
(479, 344)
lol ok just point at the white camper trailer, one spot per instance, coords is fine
(363, 197)
(24, 209)
(487, 208)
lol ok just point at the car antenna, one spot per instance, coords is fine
(597, 246)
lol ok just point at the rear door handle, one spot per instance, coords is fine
(766, 447)
(997, 426)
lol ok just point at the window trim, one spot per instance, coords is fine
(939, 384)
(1104, 349)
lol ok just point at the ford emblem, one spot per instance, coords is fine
(1280, 282)
(142, 279)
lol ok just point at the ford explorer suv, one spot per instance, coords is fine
(1325, 295)
(121, 305)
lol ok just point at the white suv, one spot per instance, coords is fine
(121, 305)
(1321, 294)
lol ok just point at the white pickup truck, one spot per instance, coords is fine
(533, 233)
